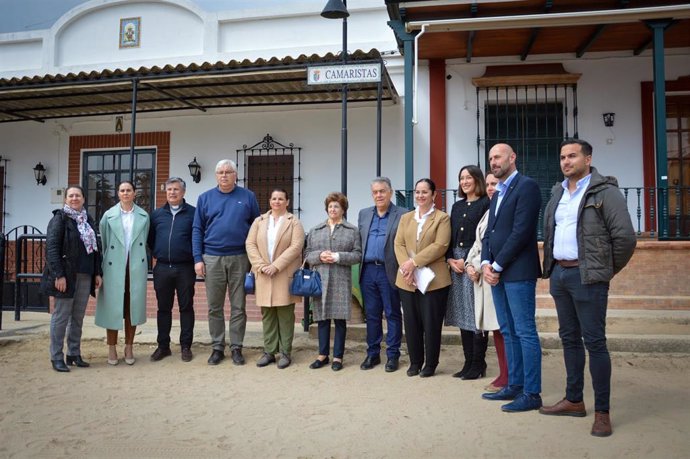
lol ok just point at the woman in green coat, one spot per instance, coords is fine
(124, 229)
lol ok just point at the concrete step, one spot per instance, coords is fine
(627, 331)
(628, 322)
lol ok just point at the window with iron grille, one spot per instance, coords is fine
(104, 170)
(270, 165)
(534, 120)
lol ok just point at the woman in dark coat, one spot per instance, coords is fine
(332, 248)
(72, 272)
(464, 218)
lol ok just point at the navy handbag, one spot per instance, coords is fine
(249, 283)
(306, 282)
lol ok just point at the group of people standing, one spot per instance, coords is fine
(475, 269)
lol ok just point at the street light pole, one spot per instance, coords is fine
(337, 9)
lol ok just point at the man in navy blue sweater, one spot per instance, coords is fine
(170, 240)
(223, 217)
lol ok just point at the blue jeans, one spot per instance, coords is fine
(515, 308)
(380, 297)
(582, 316)
(325, 337)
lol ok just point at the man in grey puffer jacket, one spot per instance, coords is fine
(588, 238)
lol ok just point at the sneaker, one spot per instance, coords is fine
(284, 361)
(264, 361)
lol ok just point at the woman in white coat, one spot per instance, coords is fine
(484, 310)
(124, 229)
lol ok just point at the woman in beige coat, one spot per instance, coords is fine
(422, 242)
(274, 247)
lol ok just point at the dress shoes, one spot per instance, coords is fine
(370, 362)
(77, 360)
(392, 365)
(186, 354)
(337, 365)
(413, 370)
(507, 393)
(284, 361)
(266, 360)
(491, 388)
(565, 408)
(59, 365)
(427, 371)
(129, 359)
(237, 358)
(160, 354)
(316, 364)
(523, 402)
(216, 357)
(112, 356)
(602, 424)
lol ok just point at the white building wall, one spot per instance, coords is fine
(608, 84)
(21, 55)
(211, 138)
(167, 32)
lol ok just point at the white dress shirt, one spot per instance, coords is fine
(127, 225)
(565, 235)
(273, 227)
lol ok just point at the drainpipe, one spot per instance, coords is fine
(416, 72)
(408, 52)
(132, 135)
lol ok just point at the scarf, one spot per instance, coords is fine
(86, 233)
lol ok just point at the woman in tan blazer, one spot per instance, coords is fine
(421, 242)
(274, 247)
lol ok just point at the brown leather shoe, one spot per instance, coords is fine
(565, 408)
(602, 424)
(186, 354)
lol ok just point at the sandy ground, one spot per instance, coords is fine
(172, 409)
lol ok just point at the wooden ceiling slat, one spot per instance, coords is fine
(526, 42)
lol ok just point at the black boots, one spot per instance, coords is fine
(59, 365)
(77, 360)
(467, 338)
(478, 368)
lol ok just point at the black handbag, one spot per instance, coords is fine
(249, 283)
(306, 282)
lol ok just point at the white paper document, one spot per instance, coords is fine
(423, 277)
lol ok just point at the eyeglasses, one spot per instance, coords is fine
(225, 172)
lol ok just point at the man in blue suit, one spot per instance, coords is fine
(510, 264)
(377, 228)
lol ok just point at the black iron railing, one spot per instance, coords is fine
(643, 205)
